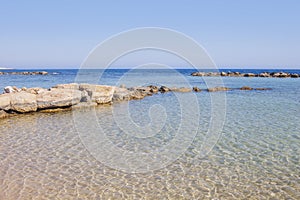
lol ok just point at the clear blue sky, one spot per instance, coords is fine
(61, 33)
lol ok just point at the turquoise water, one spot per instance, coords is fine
(256, 156)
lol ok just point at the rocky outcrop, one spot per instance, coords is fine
(238, 74)
(73, 95)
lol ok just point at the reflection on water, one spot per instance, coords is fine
(257, 157)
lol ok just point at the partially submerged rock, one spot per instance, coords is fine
(215, 89)
(238, 74)
(67, 96)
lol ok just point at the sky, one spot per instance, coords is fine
(236, 34)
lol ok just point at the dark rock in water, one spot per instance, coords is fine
(163, 89)
(154, 89)
(223, 74)
(263, 88)
(196, 89)
(246, 88)
(294, 75)
(249, 75)
(215, 89)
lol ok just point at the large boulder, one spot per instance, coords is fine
(23, 102)
(58, 98)
(100, 94)
(5, 102)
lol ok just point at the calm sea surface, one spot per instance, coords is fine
(63, 155)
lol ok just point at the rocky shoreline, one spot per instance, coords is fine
(65, 96)
(238, 74)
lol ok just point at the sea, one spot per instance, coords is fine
(222, 145)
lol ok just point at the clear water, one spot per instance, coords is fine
(42, 155)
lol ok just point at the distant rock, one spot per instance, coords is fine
(294, 75)
(246, 88)
(249, 75)
(181, 89)
(164, 89)
(215, 89)
(196, 89)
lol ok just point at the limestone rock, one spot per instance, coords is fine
(5, 102)
(73, 86)
(23, 102)
(9, 89)
(100, 94)
(57, 98)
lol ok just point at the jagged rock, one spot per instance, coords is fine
(57, 98)
(163, 89)
(154, 89)
(246, 88)
(5, 102)
(35, 90)
(23, 102)
(196, 89)
(215, 89)
(294, 75)
(264, 74)
(100, 94)
(9, 89)
(121, 94)
(223, 74)
(280, 75)
(249, 75)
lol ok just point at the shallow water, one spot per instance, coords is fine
(45, 156)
